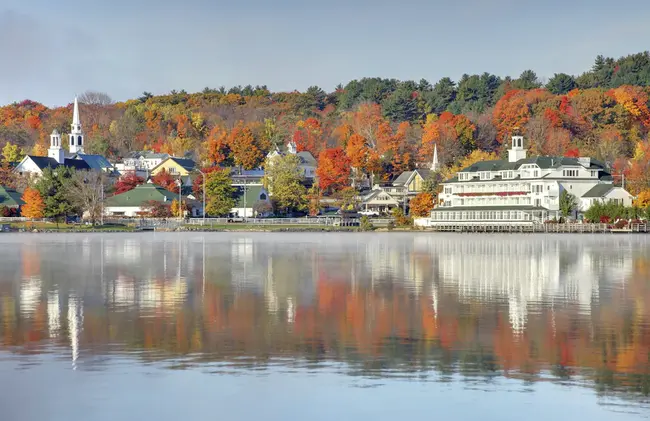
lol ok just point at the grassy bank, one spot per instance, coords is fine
(51, 226)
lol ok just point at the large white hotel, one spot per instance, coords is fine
(521, 190)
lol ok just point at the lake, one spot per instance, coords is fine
(262, 326)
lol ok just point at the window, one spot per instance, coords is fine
(594, 174)
(262, 196)
(570, 173)
(484, 175)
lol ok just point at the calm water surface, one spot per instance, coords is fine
(324, 327)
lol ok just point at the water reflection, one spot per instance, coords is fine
(572, 310)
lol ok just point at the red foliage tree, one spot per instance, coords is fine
(333, 170)
(127, 182)
(166, 181)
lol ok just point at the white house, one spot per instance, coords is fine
(522, 190)
(141, 162)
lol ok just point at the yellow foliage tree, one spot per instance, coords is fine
(176, 209)
(643, 199)
(34, 205)
(12, 153)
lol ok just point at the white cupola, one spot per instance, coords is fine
(517, 151)
(56, 151)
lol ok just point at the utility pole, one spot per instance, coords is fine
(180, 198)
(244, 200)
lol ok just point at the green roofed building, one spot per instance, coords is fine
(10, 198)
(245, 203)
(522, 190)
(133, 202)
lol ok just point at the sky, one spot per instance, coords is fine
(52, 50)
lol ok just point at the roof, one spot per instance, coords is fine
(140, 195)
(306, 158)
(543, 162)
(95, 162)
(10, 197)
(403, 178)
(43, 162)
(599, 190)
(148, 155)
(252, 196)
(186, 163)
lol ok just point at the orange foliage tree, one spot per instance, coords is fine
(244, 149)
(421, 205)
(34, 206)
(333, 170)
(217, 146)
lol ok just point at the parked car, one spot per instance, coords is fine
(369, 213)
(233, 217)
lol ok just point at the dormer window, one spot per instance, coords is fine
(484, 175)
(570, 173)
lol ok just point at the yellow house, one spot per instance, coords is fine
(177, 167)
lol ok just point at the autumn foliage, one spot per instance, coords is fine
(34, 206)
(127, 182)
(167, 181)
(422, 204)
(333, 170)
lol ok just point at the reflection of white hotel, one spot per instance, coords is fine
(527, 272)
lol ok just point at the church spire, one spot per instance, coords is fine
(434, 163)
(75, 114)
(76, 135)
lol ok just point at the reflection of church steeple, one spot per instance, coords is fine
(75, 326)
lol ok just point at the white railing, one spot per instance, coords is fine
(264, 221)
(14, 219)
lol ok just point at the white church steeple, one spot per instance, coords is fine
(56, 151)
(434, 164)
(76, 135)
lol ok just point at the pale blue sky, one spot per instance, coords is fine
(53, 49)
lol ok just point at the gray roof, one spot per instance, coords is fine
(186, 163)
(599, 190)
(404, 177)
(544, 162)
(148, 155)
(306, 158)
(10, 197)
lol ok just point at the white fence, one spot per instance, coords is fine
(264, 221)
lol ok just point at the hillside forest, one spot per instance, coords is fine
(377, 127)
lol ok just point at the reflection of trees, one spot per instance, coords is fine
(376, 323)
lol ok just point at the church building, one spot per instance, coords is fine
(57, 156)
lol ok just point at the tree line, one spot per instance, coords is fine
(372, 128)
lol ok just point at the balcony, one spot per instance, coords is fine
(502, 193)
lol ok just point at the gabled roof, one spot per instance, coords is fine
(252, 195)
(306, 158)
(187, 164)
(10, 197)
(43, 162)
(142, 194)
(404, 178)
(599, 190)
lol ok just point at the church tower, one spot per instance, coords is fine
(56, 151)
(76, 135)
(435, 165)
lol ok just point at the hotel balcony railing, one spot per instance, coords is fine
(502, 193)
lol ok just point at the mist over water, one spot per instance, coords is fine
(324, 326)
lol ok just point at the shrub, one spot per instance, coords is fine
(365, 224)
